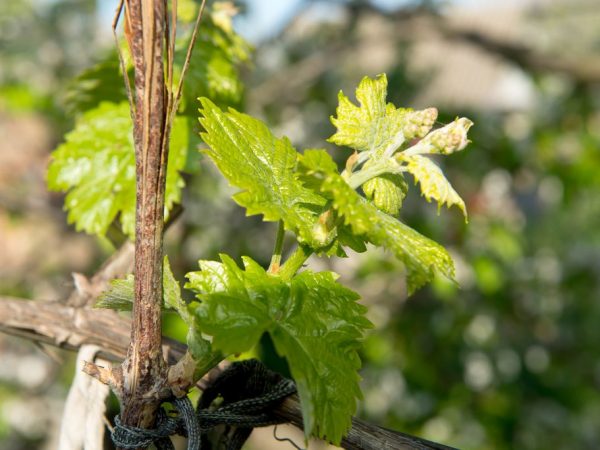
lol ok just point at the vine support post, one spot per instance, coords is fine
(143, 385)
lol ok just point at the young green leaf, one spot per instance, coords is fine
(119, 295)
(102, 82)
(387, 192)
(434, 184)
(380, 130)
(375, 126)
(96, 166)
(263, 167)
(172, 292)
(449, 139)
(314, 322)
(421, 256)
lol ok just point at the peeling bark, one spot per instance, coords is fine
(144, 370)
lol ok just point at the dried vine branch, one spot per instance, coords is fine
(144, 370)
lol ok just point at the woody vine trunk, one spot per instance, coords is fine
(144, 369)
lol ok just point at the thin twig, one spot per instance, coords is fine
(172, 43)
(169, 38)
(186, 63)
(168, 47)
(122, 60)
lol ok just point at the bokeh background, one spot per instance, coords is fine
(509, 359)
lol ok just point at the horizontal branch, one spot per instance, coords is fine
(71, 327)
(362, 435)
(583, 70)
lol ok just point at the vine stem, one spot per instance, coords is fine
(276, 258)
(295, 262)
(357, 179)
(144, 371)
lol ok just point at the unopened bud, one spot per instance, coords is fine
(324, 230)
(418, 123)
(451, 138)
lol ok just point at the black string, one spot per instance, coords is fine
(248, 390)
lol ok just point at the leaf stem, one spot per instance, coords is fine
(276, 258)
(357, 179)
(295, 262)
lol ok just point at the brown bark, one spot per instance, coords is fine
(144, 370)
(362, 435)
(69, 327)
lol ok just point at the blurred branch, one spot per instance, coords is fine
(290, 84)
(293, 80)
(71, 327)
(74, 322)
(582, 70)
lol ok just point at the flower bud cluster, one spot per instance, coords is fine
(449, 139)
(418, 123)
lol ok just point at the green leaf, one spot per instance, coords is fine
(375, 126)
(263, 167)
(96, 166)
(386, 192)
(102, 82)
(172, 292)
(434, 184)
(119, 295)
(421, 256)
(314, 322)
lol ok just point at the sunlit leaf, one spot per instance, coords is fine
(314, 322)
(387, 192)
(433, 183)
(96, 167)
(263, 167)
(421, 256)
(375, 126)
